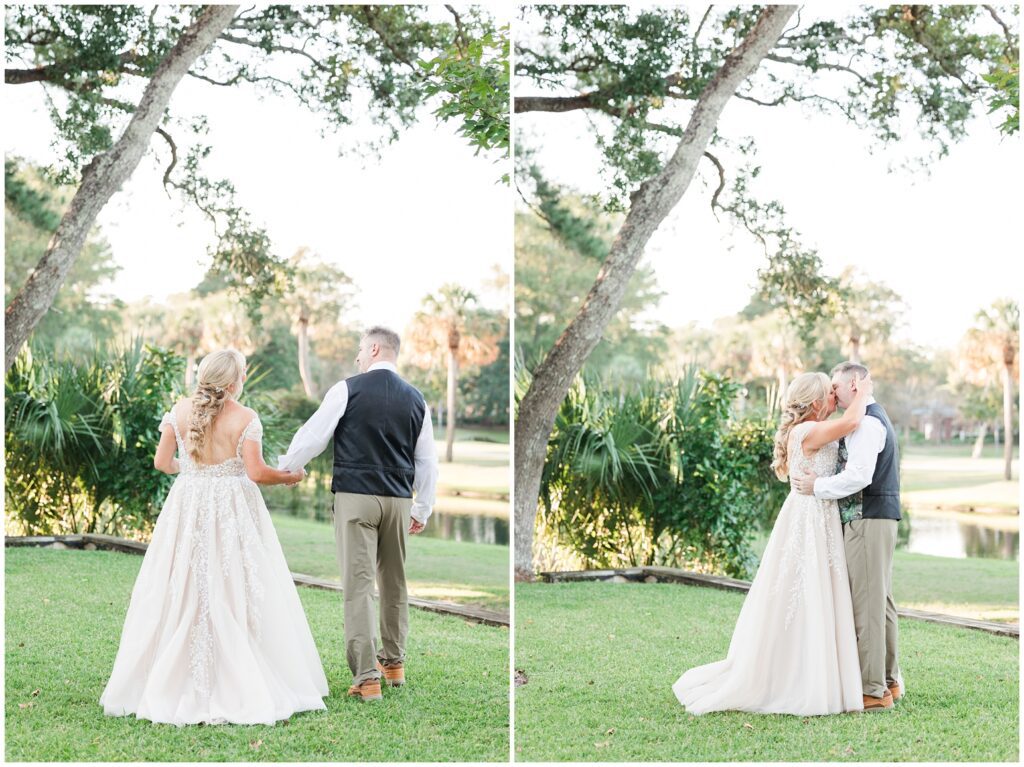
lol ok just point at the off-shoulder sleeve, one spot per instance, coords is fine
(253, 431)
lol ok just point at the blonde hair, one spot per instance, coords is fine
(217, 371)
(803, 392)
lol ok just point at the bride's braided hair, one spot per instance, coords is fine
(803, 392)
(217, 372)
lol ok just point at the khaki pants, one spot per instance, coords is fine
(370, 533)
(870, 544)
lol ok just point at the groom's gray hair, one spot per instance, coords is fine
(846, 369)
(384, 337)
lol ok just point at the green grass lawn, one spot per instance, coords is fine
(945, 476)
(601, 659)
(986, 589)
(480, 463)
(64, 612)
(467, 573)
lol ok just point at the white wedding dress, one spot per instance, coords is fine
(215, 631)
(794, 648)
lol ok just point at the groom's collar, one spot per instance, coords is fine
(871, 401)
(383, 366)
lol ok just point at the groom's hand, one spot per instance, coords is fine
(415, 527)
(804, 483)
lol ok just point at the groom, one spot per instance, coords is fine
(867, 487)
(384, 455)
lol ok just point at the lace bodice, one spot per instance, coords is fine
(822, 462)
(232, 467)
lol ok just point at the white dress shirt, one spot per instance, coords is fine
(317, 433)
(862, 446)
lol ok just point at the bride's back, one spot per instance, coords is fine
(221, 443)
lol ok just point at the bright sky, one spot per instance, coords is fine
(947, 242)
(426, 213)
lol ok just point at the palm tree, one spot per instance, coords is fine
(319, 294)
(998, 333)
(449, 325)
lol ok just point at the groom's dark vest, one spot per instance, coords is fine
(882, 496)
(375, 439)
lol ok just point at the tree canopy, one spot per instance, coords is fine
(344, 63)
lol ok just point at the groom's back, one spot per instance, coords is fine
(375, 440)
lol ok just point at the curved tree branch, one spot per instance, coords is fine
(56, 72)
(721, 182)
(174, 158)
(557, 103)
(818, 65)
(1011, 41)
(460, 36)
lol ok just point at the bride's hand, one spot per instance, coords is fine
(298, 476)
(865, 387)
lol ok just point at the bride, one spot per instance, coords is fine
(215, 632)
(794, 648)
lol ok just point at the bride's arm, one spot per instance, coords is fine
(164, 459)
(260, 473)
(824, 432)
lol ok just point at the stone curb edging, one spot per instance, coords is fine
(112, 543)
(674, 575)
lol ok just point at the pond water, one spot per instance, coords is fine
(951, 537)
(471, 528)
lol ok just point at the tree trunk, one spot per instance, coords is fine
(979, 443)
(103, 176)
(190, 369)
(649, 207)
(453, 377)
(1008, 419)
(780, 377)
(855, 349)
(304, 373)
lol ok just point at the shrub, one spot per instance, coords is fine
(80, 440)
(659, 475)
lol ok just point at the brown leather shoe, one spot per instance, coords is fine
(871, 703)
(394, 674)
(896, 691)
(368, 690)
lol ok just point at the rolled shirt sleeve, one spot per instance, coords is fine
(316, 433)
(863, 447)
(424, 483)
